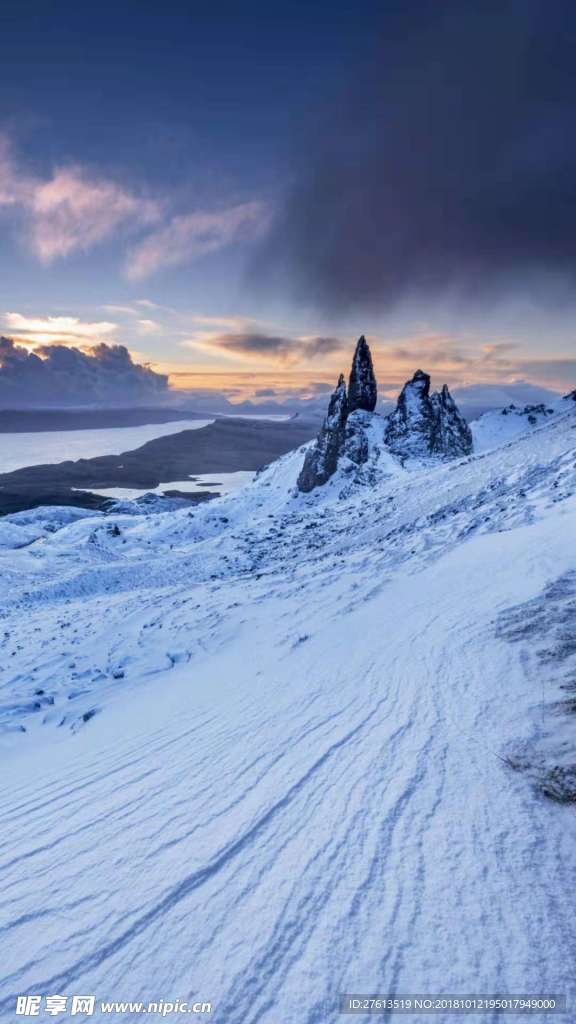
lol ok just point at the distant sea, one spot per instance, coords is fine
(223, 483)
(50, 447)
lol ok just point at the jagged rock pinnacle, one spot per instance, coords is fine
(322, 459)
(423, 424)
(362, 388)
(453, 436)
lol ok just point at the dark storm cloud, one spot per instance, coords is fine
(284, 348)
(56, 375)
(450, 165)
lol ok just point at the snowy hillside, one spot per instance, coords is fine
(285, 746)
(501, 425)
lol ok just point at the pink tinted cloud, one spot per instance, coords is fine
(70, 210)
(191, 235)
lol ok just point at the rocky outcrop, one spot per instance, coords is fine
(533, 413)
(355, 439)
(423, 424)
(412, 425)
(362, 388)
(322, 459)
(342, 432)
(453, 435)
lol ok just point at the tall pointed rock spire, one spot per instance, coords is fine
(322, 459)
(362, 389)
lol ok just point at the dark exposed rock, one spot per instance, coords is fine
(559, 783)
(412, 426)
(453, 435)
(531, 411)
(355, 439)
(571, 396)
(362, 389)
(322, 459)
(423, 424)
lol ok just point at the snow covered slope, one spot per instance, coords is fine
(501, 425)
(263, 752)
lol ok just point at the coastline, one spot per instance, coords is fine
(224, 446)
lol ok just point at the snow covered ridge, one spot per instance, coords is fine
(423, 425)
(498, 426)
(52, 559)
(501, 425)
(287, 745)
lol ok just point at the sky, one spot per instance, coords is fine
(235, 192)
